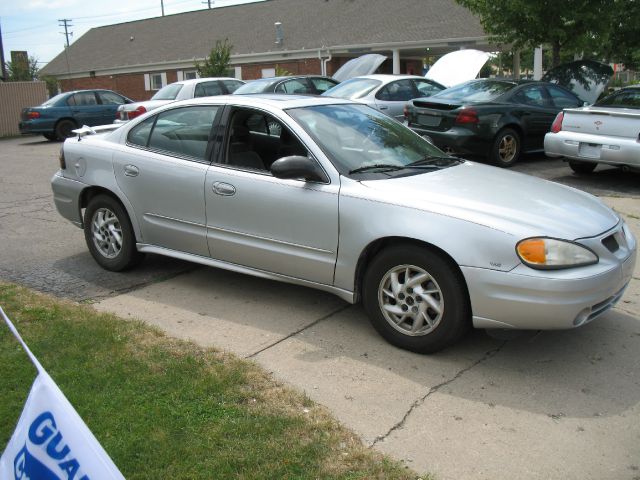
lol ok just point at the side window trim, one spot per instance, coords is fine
(207, 160)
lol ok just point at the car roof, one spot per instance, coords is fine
(205, 79)
(385, 77)
(278, 101)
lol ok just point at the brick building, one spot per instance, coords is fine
(137, 58)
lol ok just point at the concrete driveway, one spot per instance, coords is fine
(552, 405)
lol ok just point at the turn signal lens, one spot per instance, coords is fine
(532, 251)
(63, 162)
(550, 253)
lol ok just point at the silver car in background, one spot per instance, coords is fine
(607, 132)
(337, 196)
(174, 92)
(387, 93)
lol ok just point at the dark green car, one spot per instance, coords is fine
(58, 116)
(489, 118)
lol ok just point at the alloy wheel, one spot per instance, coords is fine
(106, 232)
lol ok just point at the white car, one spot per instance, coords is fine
(606, 132)
(387, 93)
(184, 90)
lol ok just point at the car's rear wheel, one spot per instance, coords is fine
(52, 137)
(109, 234)
(583, 167)
(416, 299)
(64, 128)
(506, 148)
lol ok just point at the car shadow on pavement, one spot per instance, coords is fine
(327, 347)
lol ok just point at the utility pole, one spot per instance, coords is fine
(162, 6)
(3, 77)
(65, 23)
(209, 2)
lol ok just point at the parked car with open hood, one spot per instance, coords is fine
(296, 84)
(335, 195)
(607, 132)
(58, 116)
(183, 90)
(387, 93)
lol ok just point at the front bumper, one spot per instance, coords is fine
(593, 148)
(529, 299)
(66, 196)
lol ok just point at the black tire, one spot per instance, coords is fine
(451, 296)
(52, 137)
(506, 148)
(104, 207)
(583, 167)
(64, 128)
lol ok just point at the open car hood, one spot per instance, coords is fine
(356, 67)
(586, 78)
(457, 67)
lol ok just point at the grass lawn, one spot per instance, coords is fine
(164, 408)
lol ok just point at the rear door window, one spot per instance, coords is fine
(139, 135)
(82, 99)
(110, 98)
(426, 89)
(208, 89)
(183, 131)
(399, 91)
(562, 99)
(533, 95)
(231, 85)
(322, 84)
(293, 86)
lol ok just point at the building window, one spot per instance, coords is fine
(156, 81)
(268, 72)
(190, 75)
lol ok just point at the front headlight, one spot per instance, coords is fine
(550, 253)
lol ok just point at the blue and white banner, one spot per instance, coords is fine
(51, 442)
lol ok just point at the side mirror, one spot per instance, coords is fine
(298, 167)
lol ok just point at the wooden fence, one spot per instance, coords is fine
(14, 96)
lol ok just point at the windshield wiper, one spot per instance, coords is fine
(385, 166)
(430, 159)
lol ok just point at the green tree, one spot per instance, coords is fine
(569, 25)
(623, 44)
(218, 61)
(23, 71)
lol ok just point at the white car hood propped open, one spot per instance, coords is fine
(356, 67)
(457, 67)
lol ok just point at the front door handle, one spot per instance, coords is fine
(225, 189)
(384, 108)
(131, 171)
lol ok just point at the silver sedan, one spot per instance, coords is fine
(337, 196)
(387, 93)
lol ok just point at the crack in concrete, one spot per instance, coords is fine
(293, 334)
(421, 400)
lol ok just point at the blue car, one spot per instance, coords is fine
(58, 116)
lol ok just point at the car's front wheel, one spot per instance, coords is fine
(583, 167)
(506, 148)
(416, 299)
(109, 234)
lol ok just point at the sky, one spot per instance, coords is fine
(32, 25)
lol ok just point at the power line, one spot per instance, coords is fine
(65, 23)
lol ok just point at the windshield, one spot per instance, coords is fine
(256, 86)
(357, 137)
(476, 91)
(53, 100)
(352, 89)
(170, 92)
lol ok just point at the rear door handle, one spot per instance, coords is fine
(384, 108)
(225, 189)
(131, 171)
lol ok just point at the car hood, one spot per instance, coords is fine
(511, 202)
(356, 67)
(586, 78)
(457, 67)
